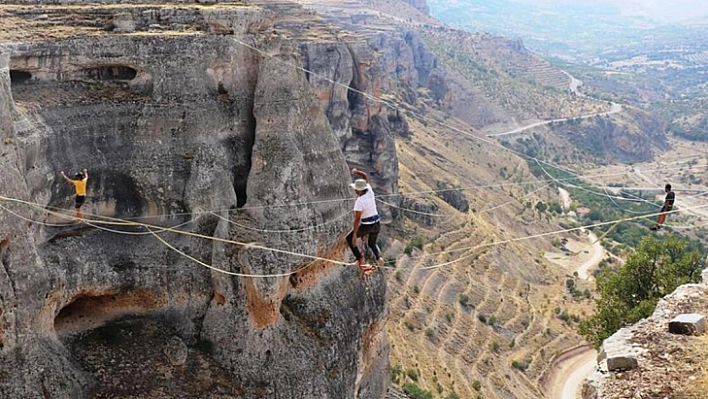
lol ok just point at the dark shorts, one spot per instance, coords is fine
(666, 208)
(80, 199)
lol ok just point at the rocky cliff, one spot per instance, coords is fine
(633, 136)
(178, 126)
(645, 360)
(349, 78)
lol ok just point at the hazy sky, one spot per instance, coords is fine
(665, 10)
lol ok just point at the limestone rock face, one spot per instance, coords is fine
(350, 78)
(366, 128)
(632, 136)
(196, 131)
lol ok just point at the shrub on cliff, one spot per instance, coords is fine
(630, 293)
(415, 392)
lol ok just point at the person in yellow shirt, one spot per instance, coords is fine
(79, 183)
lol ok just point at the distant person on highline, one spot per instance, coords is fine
(79, 182)
(668, 206)
(366, 221)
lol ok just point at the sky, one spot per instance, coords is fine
(662, 10)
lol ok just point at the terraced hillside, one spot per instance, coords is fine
(486, 323)
(489, 321)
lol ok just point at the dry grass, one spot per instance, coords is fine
(698, 388)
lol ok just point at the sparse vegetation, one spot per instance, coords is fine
(429, 332)
(415, 392)
(416, 242)
(520, 365)
(495, 347)
(541, 207)
(396, 373)
(412, 374)
(573, 289)
(477, 385)
(464, 300)
(601, 208)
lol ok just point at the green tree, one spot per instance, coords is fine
(555, 207)
(631, 293)
(415, 392)
(541, 207)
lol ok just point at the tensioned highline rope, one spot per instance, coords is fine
(316, 258)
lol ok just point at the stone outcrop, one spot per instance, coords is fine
(196, 130)
(632, 136)
(349, 78)
(623, 351)
(453, 196)
(420, 210)
(688, 324)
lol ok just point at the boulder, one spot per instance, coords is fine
(688, 324)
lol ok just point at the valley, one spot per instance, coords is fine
(500, 174)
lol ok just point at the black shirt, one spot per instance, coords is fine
(670, 196)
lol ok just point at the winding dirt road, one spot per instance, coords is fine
(569, 372)
(571, 367)
(573, 87)
(598, 252)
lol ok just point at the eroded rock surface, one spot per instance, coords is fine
(197, 130)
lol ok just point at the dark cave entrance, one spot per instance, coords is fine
(111, 72)
(18, 76)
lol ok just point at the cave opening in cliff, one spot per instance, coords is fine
(87, 311)
(243, 151)
(18, 76)
(111, 72)
(354, 98)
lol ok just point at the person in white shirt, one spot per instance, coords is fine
(366, 221)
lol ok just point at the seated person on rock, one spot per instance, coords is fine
(366, 221)
(79, 183)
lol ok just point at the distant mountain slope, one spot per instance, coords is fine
(580, 30)
(573, 28)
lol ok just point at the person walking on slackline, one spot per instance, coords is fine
(79, 183)
(367, 222)
(668, 206)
